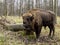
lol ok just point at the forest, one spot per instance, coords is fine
(11, 22)
(18, 7)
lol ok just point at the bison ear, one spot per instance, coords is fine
(31, 18)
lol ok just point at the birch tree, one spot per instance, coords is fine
(55, 6)
(51, 5)
(5, 8)
(37, 3)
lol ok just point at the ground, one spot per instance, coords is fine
(8, 37)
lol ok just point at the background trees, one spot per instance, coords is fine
(18, 7)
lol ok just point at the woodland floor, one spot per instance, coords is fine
(8, 37)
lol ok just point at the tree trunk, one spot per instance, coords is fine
(14, 27)
(51, 5)
(5, 8)
(37, 3)
(55, 6)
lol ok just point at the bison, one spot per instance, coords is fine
(34, 19)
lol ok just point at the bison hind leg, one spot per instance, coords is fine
(52, 30)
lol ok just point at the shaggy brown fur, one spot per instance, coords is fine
(34, 19)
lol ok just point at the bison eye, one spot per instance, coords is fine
(27, 19)
(31, 18)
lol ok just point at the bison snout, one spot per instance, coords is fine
(27, 27)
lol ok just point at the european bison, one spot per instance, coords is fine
(34, 19)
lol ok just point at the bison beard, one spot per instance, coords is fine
(38, 19)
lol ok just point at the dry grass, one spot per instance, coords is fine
(19, 38)
(15, 19)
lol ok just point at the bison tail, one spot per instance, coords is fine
(54, 17)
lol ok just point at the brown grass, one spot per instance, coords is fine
(19, 38)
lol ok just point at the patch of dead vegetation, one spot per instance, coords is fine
(19, 38)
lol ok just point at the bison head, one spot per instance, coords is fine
(27, 20)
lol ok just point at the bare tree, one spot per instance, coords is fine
(16, 8)
(28, 6)
(21, 5)
(37, 3)
(55, 6)
(41, 5)
(5, 8)
(45, 4)
(10, 7)
(51, 5)
(0, 8)
(13, 7)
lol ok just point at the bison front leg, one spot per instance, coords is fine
(37, 31)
